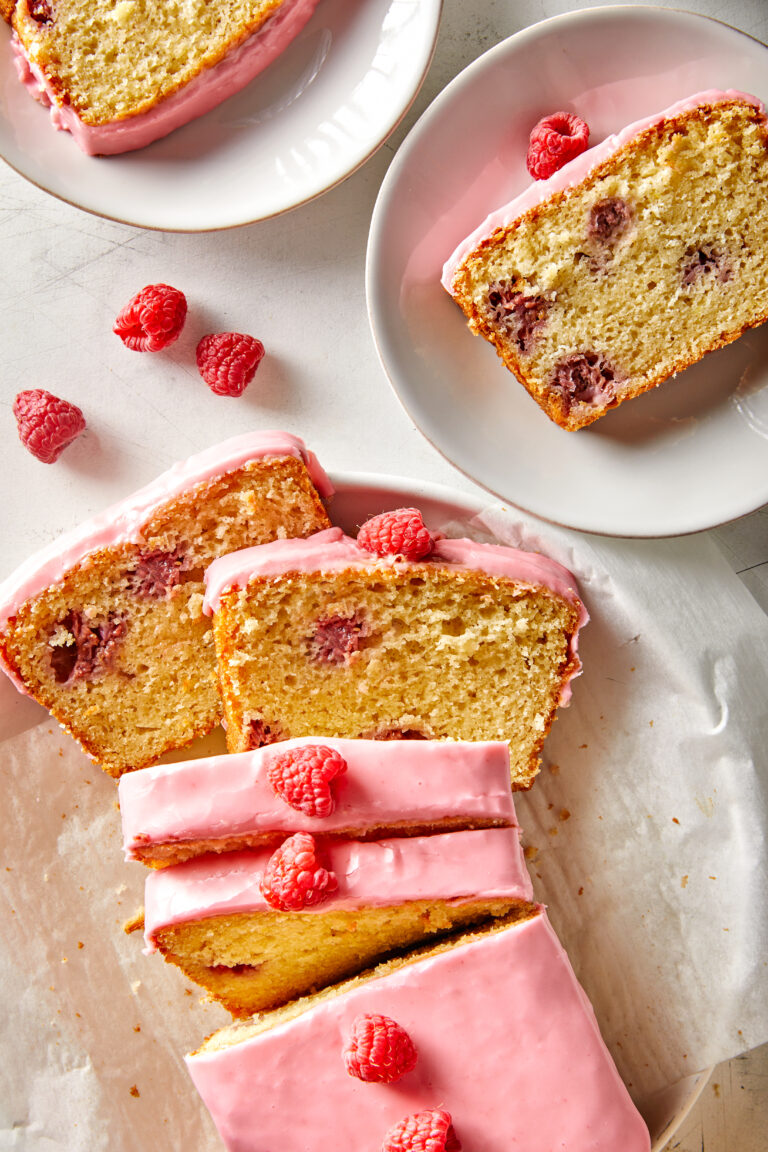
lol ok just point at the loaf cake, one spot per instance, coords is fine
(321, 637)
(630, 263)
(501, 1039)
(119, 74)
(171, 812)
(245, 926)
(105, 626)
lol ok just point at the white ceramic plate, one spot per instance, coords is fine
(692, 454)
(302, 126)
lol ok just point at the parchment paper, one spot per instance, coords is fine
(645, 834)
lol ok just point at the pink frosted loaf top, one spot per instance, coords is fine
(123, 522)
(507, 1043)
(452, 866)
(209, 88)
(575, 171)
(385, 784)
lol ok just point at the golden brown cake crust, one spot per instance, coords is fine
(706, 125)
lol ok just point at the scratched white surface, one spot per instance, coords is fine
(297, 282)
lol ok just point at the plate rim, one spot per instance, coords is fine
(375, 292)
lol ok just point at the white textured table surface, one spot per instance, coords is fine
(297, 281)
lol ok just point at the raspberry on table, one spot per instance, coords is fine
(293, 878)
(429, 1131)
(379, 1050)
(153, 319)
(228, 361)
(554, 141)
(302, 777)
(398, 533)
(46, 423)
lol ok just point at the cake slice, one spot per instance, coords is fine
(171, 812)
(500, 1039)
(628, 264)
(119, 74)
(247, 928)
(322, 637)
(105, 626)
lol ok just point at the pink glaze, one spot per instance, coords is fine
(386, 782)
(204, 92)
(332, 551)
(508, 1044)
(452, 866)
(123, 522)
(575, 171)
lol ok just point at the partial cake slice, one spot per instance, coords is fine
(629, 263)
(499, 1038)
(321, 637)
(119, 74)
(256, 929)
(357, 789)
(105, 627)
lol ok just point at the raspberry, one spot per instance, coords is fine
(293, 878)
(46, 423)
(554, 141)
(228, 361)
(153, 319)
(302, 777)
(398, 533)
(379, 1050)
(430, 1131)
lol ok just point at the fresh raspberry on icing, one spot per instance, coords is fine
(293, 878)
(46, 423)
(228, 361)
(398, 533)
(379, 1050)
(554, 141)
(430, 1131)
(302, 777)
(153, 319)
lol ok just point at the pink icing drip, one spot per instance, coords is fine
(447, 866)
(385, 782)
(204, 92)
(575, 170)
(507, 1042)
(332, 551)
(123, 522)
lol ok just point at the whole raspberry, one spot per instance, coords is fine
(46, 423)
(398, 533)
(430, 1131)
(293, 879)
(302, 777)
(153, 319)
(228, 361)
(554, 141)
(379, 1050)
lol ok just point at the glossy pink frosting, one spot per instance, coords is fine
(575, 170)
(123, 522)
(209, 88)
(507, 1043)
(332, 551)
(386, 782)
(452, 866)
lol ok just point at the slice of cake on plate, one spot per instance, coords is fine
(357, 789)
(484, 1041)
(105, 626)
(119, 74)
(628, 264)
(258, 928)
(325, 637)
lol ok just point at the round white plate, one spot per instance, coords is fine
(688, 456)
(302, 126)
